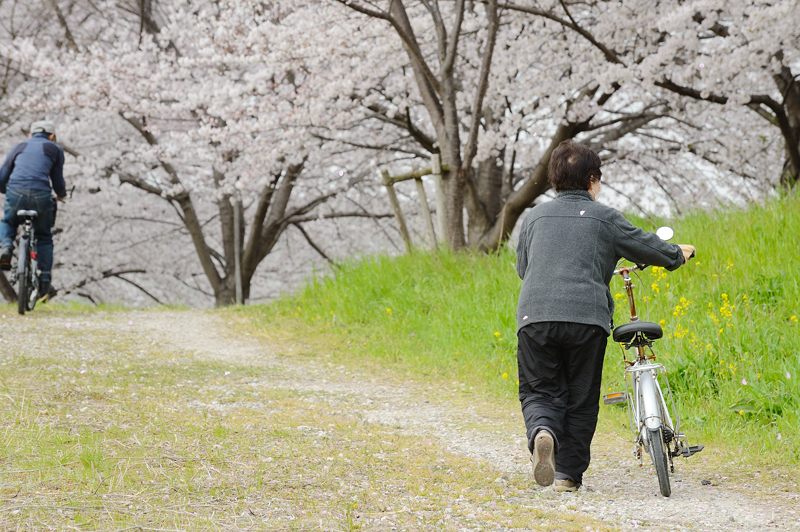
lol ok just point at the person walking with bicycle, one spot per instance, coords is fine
(566, 255)
(30, 174)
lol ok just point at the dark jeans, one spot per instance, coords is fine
(41, 202)
(560, 366)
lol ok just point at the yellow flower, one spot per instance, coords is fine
(505, 375)
(619, 295)
(497, 334)
(793, 318)
(654, 287)
(662, 322)
(680, 331)
(388, 311)
(659, 273)
(681, 307)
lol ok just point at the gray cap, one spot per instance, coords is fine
(43, 126)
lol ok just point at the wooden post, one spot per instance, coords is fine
(401, 221)
(426, 212)
(237, 246)
(441, 214)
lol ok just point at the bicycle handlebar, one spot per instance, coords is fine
(642, 266)
(630, 268)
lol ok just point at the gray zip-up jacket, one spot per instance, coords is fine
(568, 249)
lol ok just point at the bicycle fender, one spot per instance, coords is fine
(651, 405)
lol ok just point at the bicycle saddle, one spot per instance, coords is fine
(625, 333)
(27, 214)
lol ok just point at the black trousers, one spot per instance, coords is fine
(560, 366)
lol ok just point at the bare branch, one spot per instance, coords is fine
(314, 245)
(332, 215)
(109, 274)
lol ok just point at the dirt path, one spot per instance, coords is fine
(617, 492)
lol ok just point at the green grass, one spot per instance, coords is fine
(730, 317)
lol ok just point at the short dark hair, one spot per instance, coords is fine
(573, 167)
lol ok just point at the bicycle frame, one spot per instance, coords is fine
(30, 269)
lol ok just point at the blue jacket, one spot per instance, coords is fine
(34, 165)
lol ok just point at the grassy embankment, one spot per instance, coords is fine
(730, 318)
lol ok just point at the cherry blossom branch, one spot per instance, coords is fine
(755, 100)
(382, 113)
(398, 18)
(455, 33)
(609, 54)
(184, 201)
(376, 147)
(62, 21)
(483, 83)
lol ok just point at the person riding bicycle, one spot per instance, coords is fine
(31, 172)
(568, 249)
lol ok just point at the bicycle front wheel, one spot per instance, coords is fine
(23, 277)
(658, 453)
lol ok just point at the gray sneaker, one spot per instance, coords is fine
(566, 485)
(543, 458)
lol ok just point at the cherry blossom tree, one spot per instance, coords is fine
(495, 91)
(205, 111)
(726, 53)
(275, 118)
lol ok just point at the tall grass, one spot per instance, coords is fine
(730, 318)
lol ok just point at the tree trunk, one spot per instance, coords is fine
(791, 104)
(523, 197)
(225, 293)
(484, 210)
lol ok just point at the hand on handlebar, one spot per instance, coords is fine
(688, 252)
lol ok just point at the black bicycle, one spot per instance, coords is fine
(25, 272)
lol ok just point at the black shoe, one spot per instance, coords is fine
(5, 259)
(47, 293)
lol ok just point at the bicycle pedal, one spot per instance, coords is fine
(692, 449)
(615, 398)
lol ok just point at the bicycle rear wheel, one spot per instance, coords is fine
(23, 276)
(658, 453)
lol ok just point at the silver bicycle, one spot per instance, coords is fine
(657, 433)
